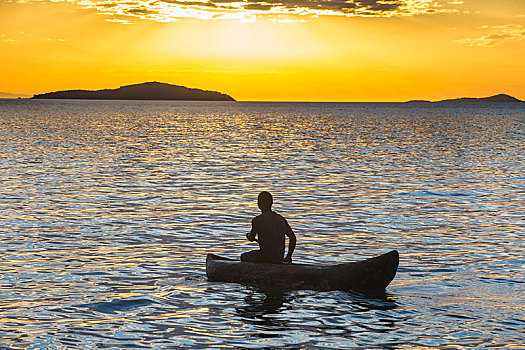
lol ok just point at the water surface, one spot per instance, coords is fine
(108, 208)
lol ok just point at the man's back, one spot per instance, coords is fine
(271, 229)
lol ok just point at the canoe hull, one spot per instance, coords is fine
(372, 274)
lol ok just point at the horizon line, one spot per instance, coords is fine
(251, 101)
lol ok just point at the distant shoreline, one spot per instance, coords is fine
(491, 99)
(166, 92)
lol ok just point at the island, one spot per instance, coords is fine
(144, 91)
(495, 98)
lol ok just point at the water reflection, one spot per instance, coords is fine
(260, 305)
(275, 313)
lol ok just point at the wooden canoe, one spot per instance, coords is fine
(372, 274)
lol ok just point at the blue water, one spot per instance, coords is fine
(108, 208)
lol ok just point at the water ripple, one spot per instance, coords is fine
(109, 208)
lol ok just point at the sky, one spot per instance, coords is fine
(271, 50)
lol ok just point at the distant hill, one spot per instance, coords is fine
(495, 98)
(143, 91)
(418, 101)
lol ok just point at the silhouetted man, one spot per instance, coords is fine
(270, 229)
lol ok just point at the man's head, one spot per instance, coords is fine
(265, 201)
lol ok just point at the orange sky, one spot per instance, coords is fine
(291, 50)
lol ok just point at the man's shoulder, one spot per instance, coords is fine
(268, 216)
(279, 215)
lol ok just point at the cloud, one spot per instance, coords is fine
(174, 10)
(24, 36)
(496, 36)
(4, 38)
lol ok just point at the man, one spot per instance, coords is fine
(270, 229)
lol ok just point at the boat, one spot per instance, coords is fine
(373, 274)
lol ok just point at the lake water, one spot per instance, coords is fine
(108, 208)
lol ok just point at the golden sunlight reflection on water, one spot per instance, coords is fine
(109, 208)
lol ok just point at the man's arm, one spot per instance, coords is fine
(291, 244)
(251, 235)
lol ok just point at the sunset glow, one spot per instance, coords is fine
(291, 50)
